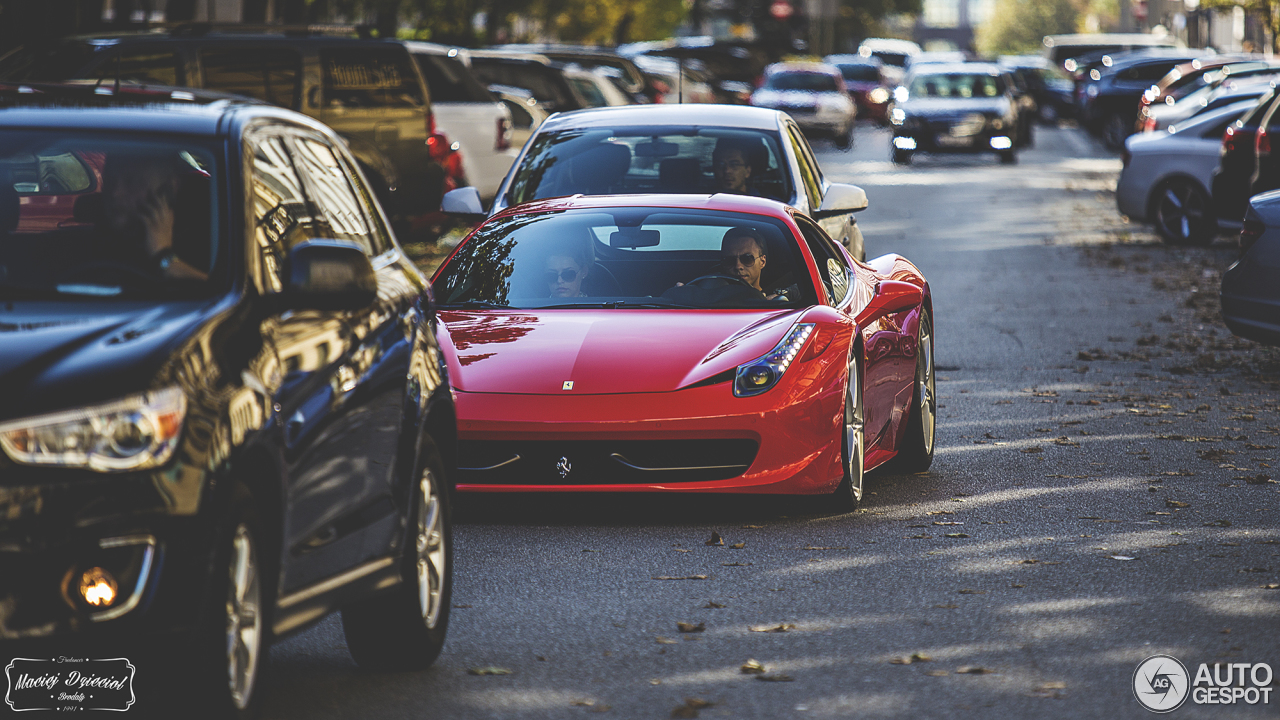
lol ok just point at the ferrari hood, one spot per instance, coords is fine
(539, 352)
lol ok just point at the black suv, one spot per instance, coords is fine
(225, 411)
(1114, 91)
(369, 91)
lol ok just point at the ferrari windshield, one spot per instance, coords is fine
(105, 216)
(664, 159)
(628, 257)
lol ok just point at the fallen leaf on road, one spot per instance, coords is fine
(461, 607)
(734, 564)
(948, 606)
(1066, 442)
(920, 657)
(842, 547)
(918, 537)
(679, 577)
(666, 641)
(1270, 586)
(957, 535)
(1259, 479)
(775, 678)
(1215, 455)
(713, 605)
(940, 512)
(489, 670)
(691, 707)
(1121, 557)
(752, 527)
(737, 546)
(973, 670)
(971, 591)
(752, 667)
(947, 522)
(937, 673)
(781, 627)
(715, 539)
(1176, 504)
(903, 660)
(1218, 523)
(685, 627)
(1255, 570)
(681, 550)
(1032, 449)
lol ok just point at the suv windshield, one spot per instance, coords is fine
(104, 216)
(957, 85)
(667, 159)
(628, 257)
(804, 81)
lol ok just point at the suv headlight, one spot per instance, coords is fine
(135, 433)
(765, 371)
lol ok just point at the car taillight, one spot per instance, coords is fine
(438, 147)
(1149, 125)
(1262, 143)
(1250, 232)
(502, 140)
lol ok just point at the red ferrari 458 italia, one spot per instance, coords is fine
(687, 343)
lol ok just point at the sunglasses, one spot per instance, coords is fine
(728, 164)
(567, 275)
(747, 259)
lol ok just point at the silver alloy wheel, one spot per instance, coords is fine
(1180, 211)
(926, 391)
(854, 441)
(431, 549)
(244, 621)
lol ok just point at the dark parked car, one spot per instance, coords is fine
(536, 73)
(1251, 286)
(225, 411)
(369, 91)
(1052, 91)
(1234, 177)
(630, 78)
(965, 107)
(1113, 93)
(864, 79)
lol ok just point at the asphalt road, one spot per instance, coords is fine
(1101, 493)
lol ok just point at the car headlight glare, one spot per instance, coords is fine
(879, 96)
(898, 116)
(997, 124)
(764, 372)
(136, 433)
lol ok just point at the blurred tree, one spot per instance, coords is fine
(1266, 11)
(860, 19)
(1019, 26)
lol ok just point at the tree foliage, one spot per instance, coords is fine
(1019, 26)
(1267, 12)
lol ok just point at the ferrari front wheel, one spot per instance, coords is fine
(848, 494)
(916, 453)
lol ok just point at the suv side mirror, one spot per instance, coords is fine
(841, 198)
(463, 202)
(892, 296)
(328, 275)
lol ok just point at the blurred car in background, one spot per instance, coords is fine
(526, 114)
(1051, 90)
(536, 73)
(466, 111)
(1065, 50)
(936, 57)
(814, 95)
(734, 66)
(1112, 93)
(631, 79)
(1191, 76)
(1208, 97)
(894, 53)
(594, 89)
(1250, 293)
(865, 80)
(369, 91)
(965, 107)
(1237, 162)
(1167, 175)
(663, 148)
(672, 81)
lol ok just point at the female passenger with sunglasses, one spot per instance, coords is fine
(565, 272)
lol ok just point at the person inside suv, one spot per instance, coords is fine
(143, 195)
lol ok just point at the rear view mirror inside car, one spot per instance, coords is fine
(657, 148)
(634, 238)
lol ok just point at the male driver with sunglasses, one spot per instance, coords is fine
(742, 255)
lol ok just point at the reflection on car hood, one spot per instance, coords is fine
(57, 355)
(952, 106)
(604, 351)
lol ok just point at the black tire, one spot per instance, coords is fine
(901, 157)
(230, 646)
(404, 628)
(1031, 135)
(1115, 130)
(853, 446)
(1183, 212)
(844, 140)
(916, 453)
(1008, 157)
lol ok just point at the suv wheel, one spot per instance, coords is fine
(1182, 213)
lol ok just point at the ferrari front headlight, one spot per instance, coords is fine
(765, 371)
(135, 433)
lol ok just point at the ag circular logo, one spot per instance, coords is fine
(1160, 683)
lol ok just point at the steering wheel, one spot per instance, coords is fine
(132, 272)
(729, 278)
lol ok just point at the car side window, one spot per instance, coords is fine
(379, 236)
(808, 175)
(143, 65)
(831, 264)
(370, 77)
(269, 74)
(278, 207)
(329, 188)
